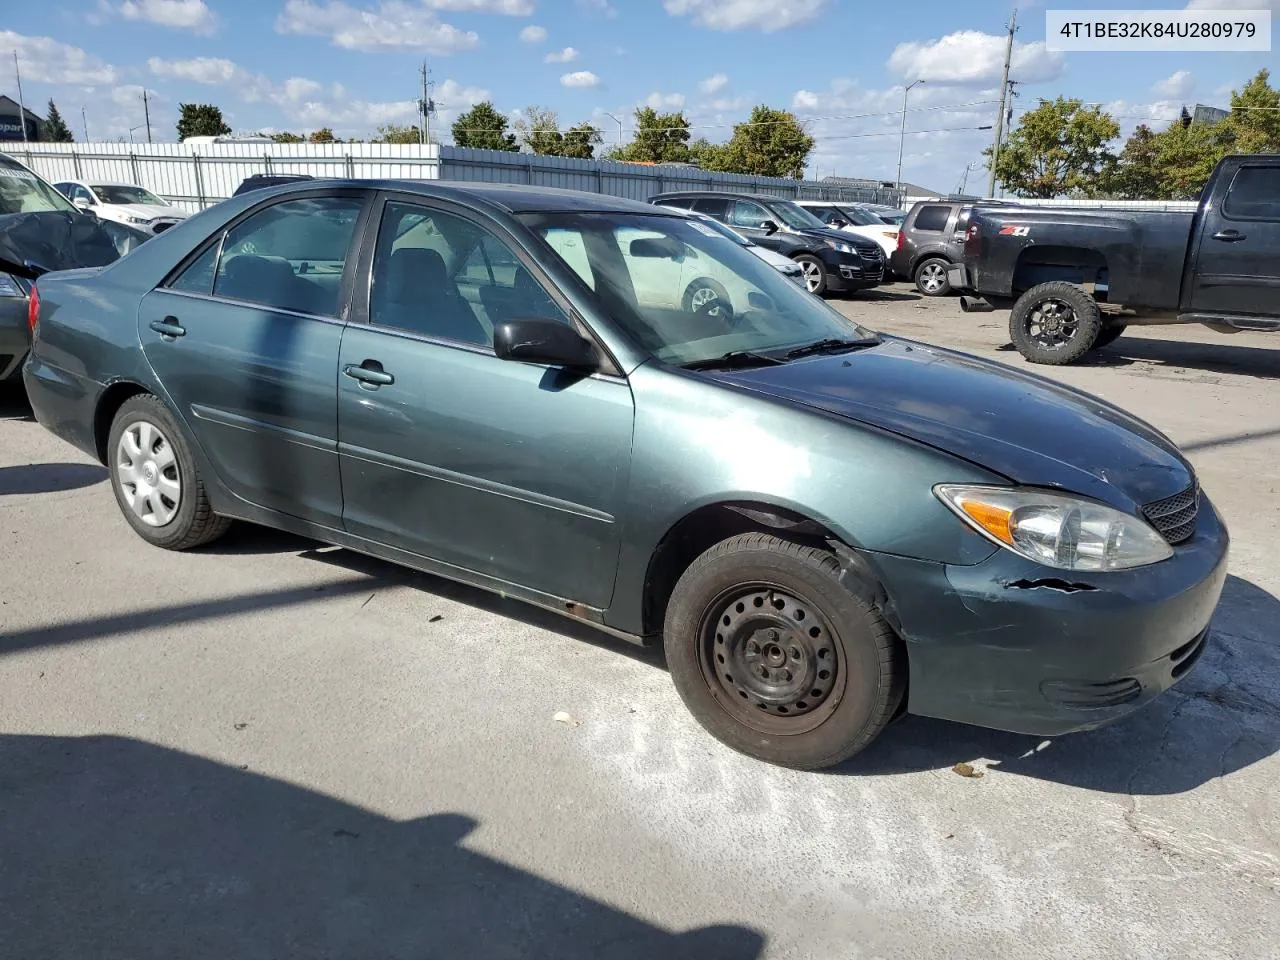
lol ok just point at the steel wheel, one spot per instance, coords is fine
(933, 277)
(812, 275)
(1053, 324)
(147, 473)
(772, 656)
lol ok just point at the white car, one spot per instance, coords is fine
(123, 203)
(784, 265)
(856, 218)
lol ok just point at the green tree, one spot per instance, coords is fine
(398, 133)
(539, 129)
(323, 135)
(1059, 148)
(483, 128)
(580, 141)
(55, 128)
(659, 138)
(1185, 156)
(287, 137)
(1136, 172)
(200, 120)
(706, 154)
(1255, 116)
(770, 143)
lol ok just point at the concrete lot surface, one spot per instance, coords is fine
(273, 749)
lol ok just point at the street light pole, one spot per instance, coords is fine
(618, 122)
(902, 134)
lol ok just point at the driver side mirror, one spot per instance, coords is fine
(550, 342)
(769, 226)
(82, 204)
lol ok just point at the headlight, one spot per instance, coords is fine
(1056, 529)
(137, 220)
(837, 245)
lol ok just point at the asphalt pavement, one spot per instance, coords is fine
(270, 748)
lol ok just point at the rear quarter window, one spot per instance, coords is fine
(932, 218)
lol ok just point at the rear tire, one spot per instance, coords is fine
(815, 273)
(155, 480)
(931, 277)
(819, 672)
(1055, 323)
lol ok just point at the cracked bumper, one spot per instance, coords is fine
(986, 647)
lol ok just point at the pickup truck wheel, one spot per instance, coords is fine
(1055, 323)
(1108, 335)
(814, 271)
(775, 658)
(931, 277)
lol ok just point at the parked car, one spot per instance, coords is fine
(40, 230)
(890, 215)
(822, 523)
(784, 265)
(832, 261)
(260, 181)
(854, 219)
(122, 203)
(930, 240)
(1076, 278)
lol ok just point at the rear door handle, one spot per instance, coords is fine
(1229, 236)
(169, 328)
(369, 373)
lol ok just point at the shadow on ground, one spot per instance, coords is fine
(13, 401)
(877, 295)
(1191, 355)
(122, 850)
(49, 477)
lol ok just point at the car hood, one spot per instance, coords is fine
(62, 241)
(840, 236)
(1031, 430)
(774, 258)
(147, 211)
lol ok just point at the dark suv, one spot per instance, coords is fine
(930, 240)
(832, 261)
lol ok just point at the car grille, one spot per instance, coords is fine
(867, 248)
(1175, 517)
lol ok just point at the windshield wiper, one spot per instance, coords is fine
(734, 358)
(832, 346)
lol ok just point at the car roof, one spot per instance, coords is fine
(508, 197)
(109, 183)
(718, 194)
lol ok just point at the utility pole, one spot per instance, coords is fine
(146, 111)
(902, 133)
(84, 119)
(1004, 101)
(426, 106)
(22, 107)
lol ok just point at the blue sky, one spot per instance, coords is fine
(840, 64)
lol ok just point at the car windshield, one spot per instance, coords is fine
(892, 217)
(683, 291)
(860, 217)
(796, 216)
(117, 193)
(21, 191)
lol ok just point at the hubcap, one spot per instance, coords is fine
(705, 300)
(147, 473)
(932, 277)
(812, 275)
(772, 659)
(1052, 324)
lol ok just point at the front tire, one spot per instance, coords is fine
(707, 296)
(775, 658)
(931, 277)
(1055, 323)
(155, 480)
(815, 273)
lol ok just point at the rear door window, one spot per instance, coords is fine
(716, 207)
(932, 218)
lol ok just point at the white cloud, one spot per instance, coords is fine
(532, 34)
(969, 56)
(393, 25)
(764, 15)
(601, 8)
(1130, 114)
(580, 78)
(45, 60)
(729, 104)
(664, 101)
(512, 8)
(191, 15)
(1178, 84)
(714, 83)
(567, 55)
(805, 100)
(210, 70)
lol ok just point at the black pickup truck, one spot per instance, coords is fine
(1077, 277)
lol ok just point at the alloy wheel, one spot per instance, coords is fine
(1053, 324)
(933, 276)
(812, 275)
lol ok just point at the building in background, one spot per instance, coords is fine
(10, 126)
(908, 189)
(1208, 115)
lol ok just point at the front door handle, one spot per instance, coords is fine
(169, 328)
(370, 374)
(1229, 236)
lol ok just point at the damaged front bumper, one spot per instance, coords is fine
(1009, 644)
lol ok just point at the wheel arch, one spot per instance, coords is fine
(112, 399)
(1037, 264)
